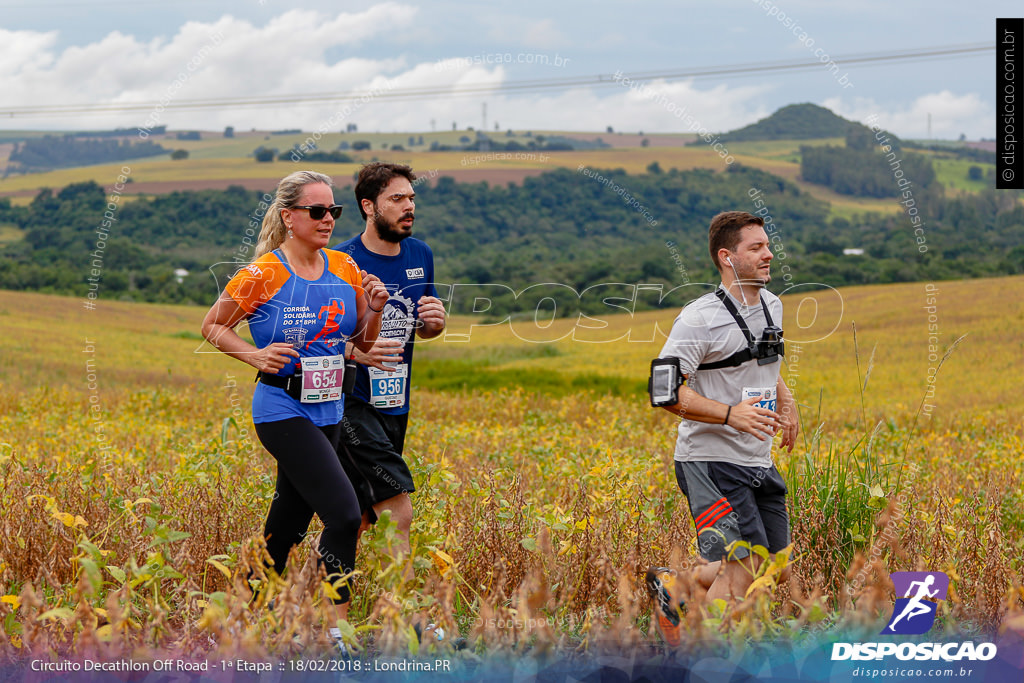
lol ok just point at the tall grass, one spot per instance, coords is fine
(537, 513)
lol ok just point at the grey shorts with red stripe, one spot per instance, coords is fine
(733, 503)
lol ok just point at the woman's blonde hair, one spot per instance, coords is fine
(288, 192)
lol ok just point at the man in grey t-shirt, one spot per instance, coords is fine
(733, 403)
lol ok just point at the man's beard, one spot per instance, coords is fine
(391, 231)
(752, 275)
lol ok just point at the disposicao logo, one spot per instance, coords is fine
(914, 613)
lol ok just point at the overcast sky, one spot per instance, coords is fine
(63, 52)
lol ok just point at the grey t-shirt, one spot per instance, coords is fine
(705, 332)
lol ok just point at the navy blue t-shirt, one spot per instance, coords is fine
(408, 276)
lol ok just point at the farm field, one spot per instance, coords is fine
(217, 162)
(160, 175)
(953, 174)
(545, 481)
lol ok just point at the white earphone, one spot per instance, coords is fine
(742, 294)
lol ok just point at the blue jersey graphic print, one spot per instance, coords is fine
(408, 276)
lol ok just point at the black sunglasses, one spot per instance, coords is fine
(317, 212)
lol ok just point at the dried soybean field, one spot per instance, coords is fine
(134, 490)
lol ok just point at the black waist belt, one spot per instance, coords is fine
(292, 384)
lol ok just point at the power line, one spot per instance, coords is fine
(92, 4)
(519, 86)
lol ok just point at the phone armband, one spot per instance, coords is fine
(664, 382)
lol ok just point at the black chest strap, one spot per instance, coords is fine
(744, 355)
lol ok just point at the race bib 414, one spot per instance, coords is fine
(767, 396)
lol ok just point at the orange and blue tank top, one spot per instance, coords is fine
(315, 316)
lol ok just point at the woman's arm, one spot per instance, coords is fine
(219, 329)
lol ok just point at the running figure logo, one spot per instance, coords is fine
(914, 613)
(335, 312)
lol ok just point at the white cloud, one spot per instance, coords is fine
(680, 106)
(583, 108)
(232, 58)
(951, 115)
(223, 59)
(544, 34)
(22, 49)
(103, 53)
(516, 29)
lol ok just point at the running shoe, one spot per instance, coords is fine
(660, 584)
(339, 643)
(435, 634)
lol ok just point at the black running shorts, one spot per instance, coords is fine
(734, 503)
(374, 441)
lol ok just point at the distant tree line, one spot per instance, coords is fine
(862, 173)
(539, 144)
(962, 151)
(513, 146)
(863, 168)
(315, 155)
(53, 151)
(118, 132)
(562, 230)
(554, 143)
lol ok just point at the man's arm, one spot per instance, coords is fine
(431, 317)
(789, 415)
(383, 351)
(430, 309)
(689, 342)
(743, 417)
